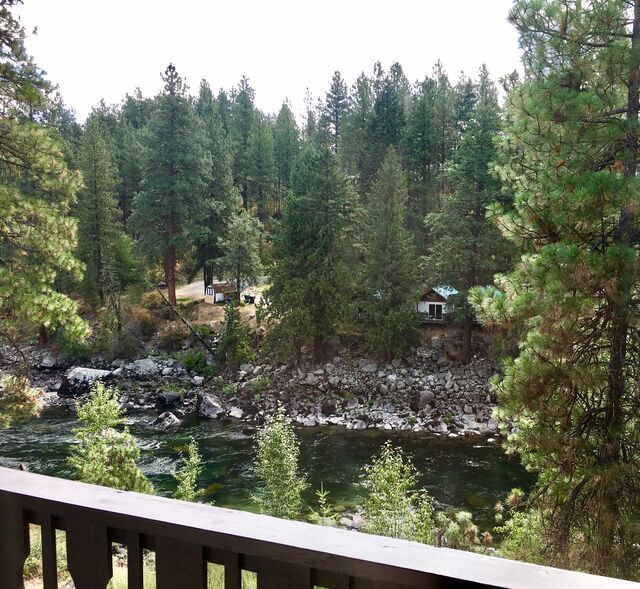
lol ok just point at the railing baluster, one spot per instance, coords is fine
(14, 543)
(88, 554)
(135, 562)
(275, 575)
(49, 560)
(179, 564)
(232, 572)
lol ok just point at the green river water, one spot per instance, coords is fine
(461, 473)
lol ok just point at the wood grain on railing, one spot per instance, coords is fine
(186, 536)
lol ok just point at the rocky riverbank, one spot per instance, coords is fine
(426, 391)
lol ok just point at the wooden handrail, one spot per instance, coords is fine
(185, 536)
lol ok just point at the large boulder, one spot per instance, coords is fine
(78, 381)
(367, 366)
(168, 400)
(144, 369)
(209, 406)
(166, 420)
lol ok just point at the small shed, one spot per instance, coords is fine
(433, 306)
(219, 292)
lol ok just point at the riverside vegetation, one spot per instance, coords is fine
(386, 186)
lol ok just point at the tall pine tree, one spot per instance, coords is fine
(175, 176)
(391, 271)
(571, 158)
(467, 249)
(309, 293)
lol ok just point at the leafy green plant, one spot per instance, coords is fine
(72, 348)
(17, 399)
(260, 384)
(325, 514)
(276, 466)
(188, 472)
(103, 455)
(235, 346)
(457, 530)
(392, 507)
(196, 361)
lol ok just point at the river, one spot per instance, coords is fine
(462, 473)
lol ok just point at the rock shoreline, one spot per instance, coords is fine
(424, 392)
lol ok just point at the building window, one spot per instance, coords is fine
(435, 311)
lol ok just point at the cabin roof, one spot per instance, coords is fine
(437, 295)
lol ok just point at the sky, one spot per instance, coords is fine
(97, 49)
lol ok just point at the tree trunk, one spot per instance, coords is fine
(43, 336)
(611, 486)
(170, 262)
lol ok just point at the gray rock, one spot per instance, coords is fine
(426, 398)
(246, 368)
(346, 522)
(468, 409)
(357, 522)
(396, 362)
(49, 360)
(78, 381)
(329, 368)
(359, 425)
(492, 425)
(165, 420)
(144, 368)
(236, 412)
(209, 406)
(443, 361)
(367, 366)
(351, 403)
(197, 381)
(334, 381)
(309, 421)
(311, 379)
(168, 400)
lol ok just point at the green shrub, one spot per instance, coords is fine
(188, 473)
(235, 346)
(103, 455)
(174, 338)
(276, 466)
(72, 349)
(145, 321)
(458, 531)
(392, 507)
(17, 399)
(152, 300)
(196, 362)
(260, 384)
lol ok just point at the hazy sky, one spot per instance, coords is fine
(103, 49)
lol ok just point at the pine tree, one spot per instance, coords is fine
(37, 191)
(221, 196)
(467, 249)
(390, 271)
(241, 250)
(419, 144)
(188, 473)
(570, 158)
(356, 151)
(310, 283)
(388, 120)
(176, 173)
(286, 144)
(242, 115)
(260, 166)
(99, 226)
(333, 110)
(104, 455)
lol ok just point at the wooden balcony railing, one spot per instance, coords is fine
(187, 536)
